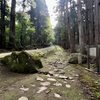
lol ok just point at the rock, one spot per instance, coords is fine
(39, 79)
(68, 86)
(48, 91)
(57, 95)
(36, 89)
(48, 75)
(45, 83)
(62, 77)
(23, 62)
(51, 79)
(56, 75)
(57, 84)
(64, 81)
(61, 72)
(51, 72)
(73, 58)
(23, 98)
(56, 70)
(41, 89)
(60, 66)
(70, 78)
(76, 75)
(24, 88)
(33, 85)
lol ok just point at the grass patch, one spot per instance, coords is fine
(90, 82)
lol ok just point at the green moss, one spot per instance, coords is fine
(23, 62)
(49, 51)
(98, 95)
(37, 61)
(73, 58)
(91, 83)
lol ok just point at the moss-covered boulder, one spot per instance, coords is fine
(23, 62)
(73, 58)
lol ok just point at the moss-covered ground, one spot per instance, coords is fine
(84, 84)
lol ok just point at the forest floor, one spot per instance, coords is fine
(64, 81)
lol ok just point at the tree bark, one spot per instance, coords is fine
(97, 21)
(70, 35)
(12, 38)
(2, 36)
(87, 24)
(80, 24)
(90, 16)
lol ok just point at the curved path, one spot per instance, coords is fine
(29, 51)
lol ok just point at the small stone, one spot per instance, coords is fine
(61, 72)
(41, 89)
(51, 79)
(76, 75)
(57, 84)
(56, 75)
(48, 91)
(96, 82)
(51, 72)
(70, 78)
(68, 86)
(64, 81)
(60, 66)
(62, 77)
(33, 85)
(24, 88)
(39, 79)
(23, 98)
(48, 75)
(45, 83)
(57, 95)
(36, 89)
(56, 70)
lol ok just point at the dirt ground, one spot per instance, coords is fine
(64, 83)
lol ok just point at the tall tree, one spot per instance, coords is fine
(97, 21)
(12, 38)
(90, 17)
(80, 25)
(70, 34)
(2, 35)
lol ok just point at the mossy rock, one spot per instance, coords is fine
(23, 62)
(73, 58)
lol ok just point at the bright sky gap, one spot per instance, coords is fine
(50, 5)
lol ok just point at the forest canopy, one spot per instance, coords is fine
(24, 23)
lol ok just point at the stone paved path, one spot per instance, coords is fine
(60, 83)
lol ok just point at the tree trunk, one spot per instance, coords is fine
(90, 14)
(80, 24)
(12, 25)
(87, 24)
(97, 21)
(2, 36)
(70, 35)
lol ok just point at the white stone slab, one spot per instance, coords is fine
(23, 98)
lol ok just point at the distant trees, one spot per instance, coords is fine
(29, 24)
(82, 19)
(40, 18)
